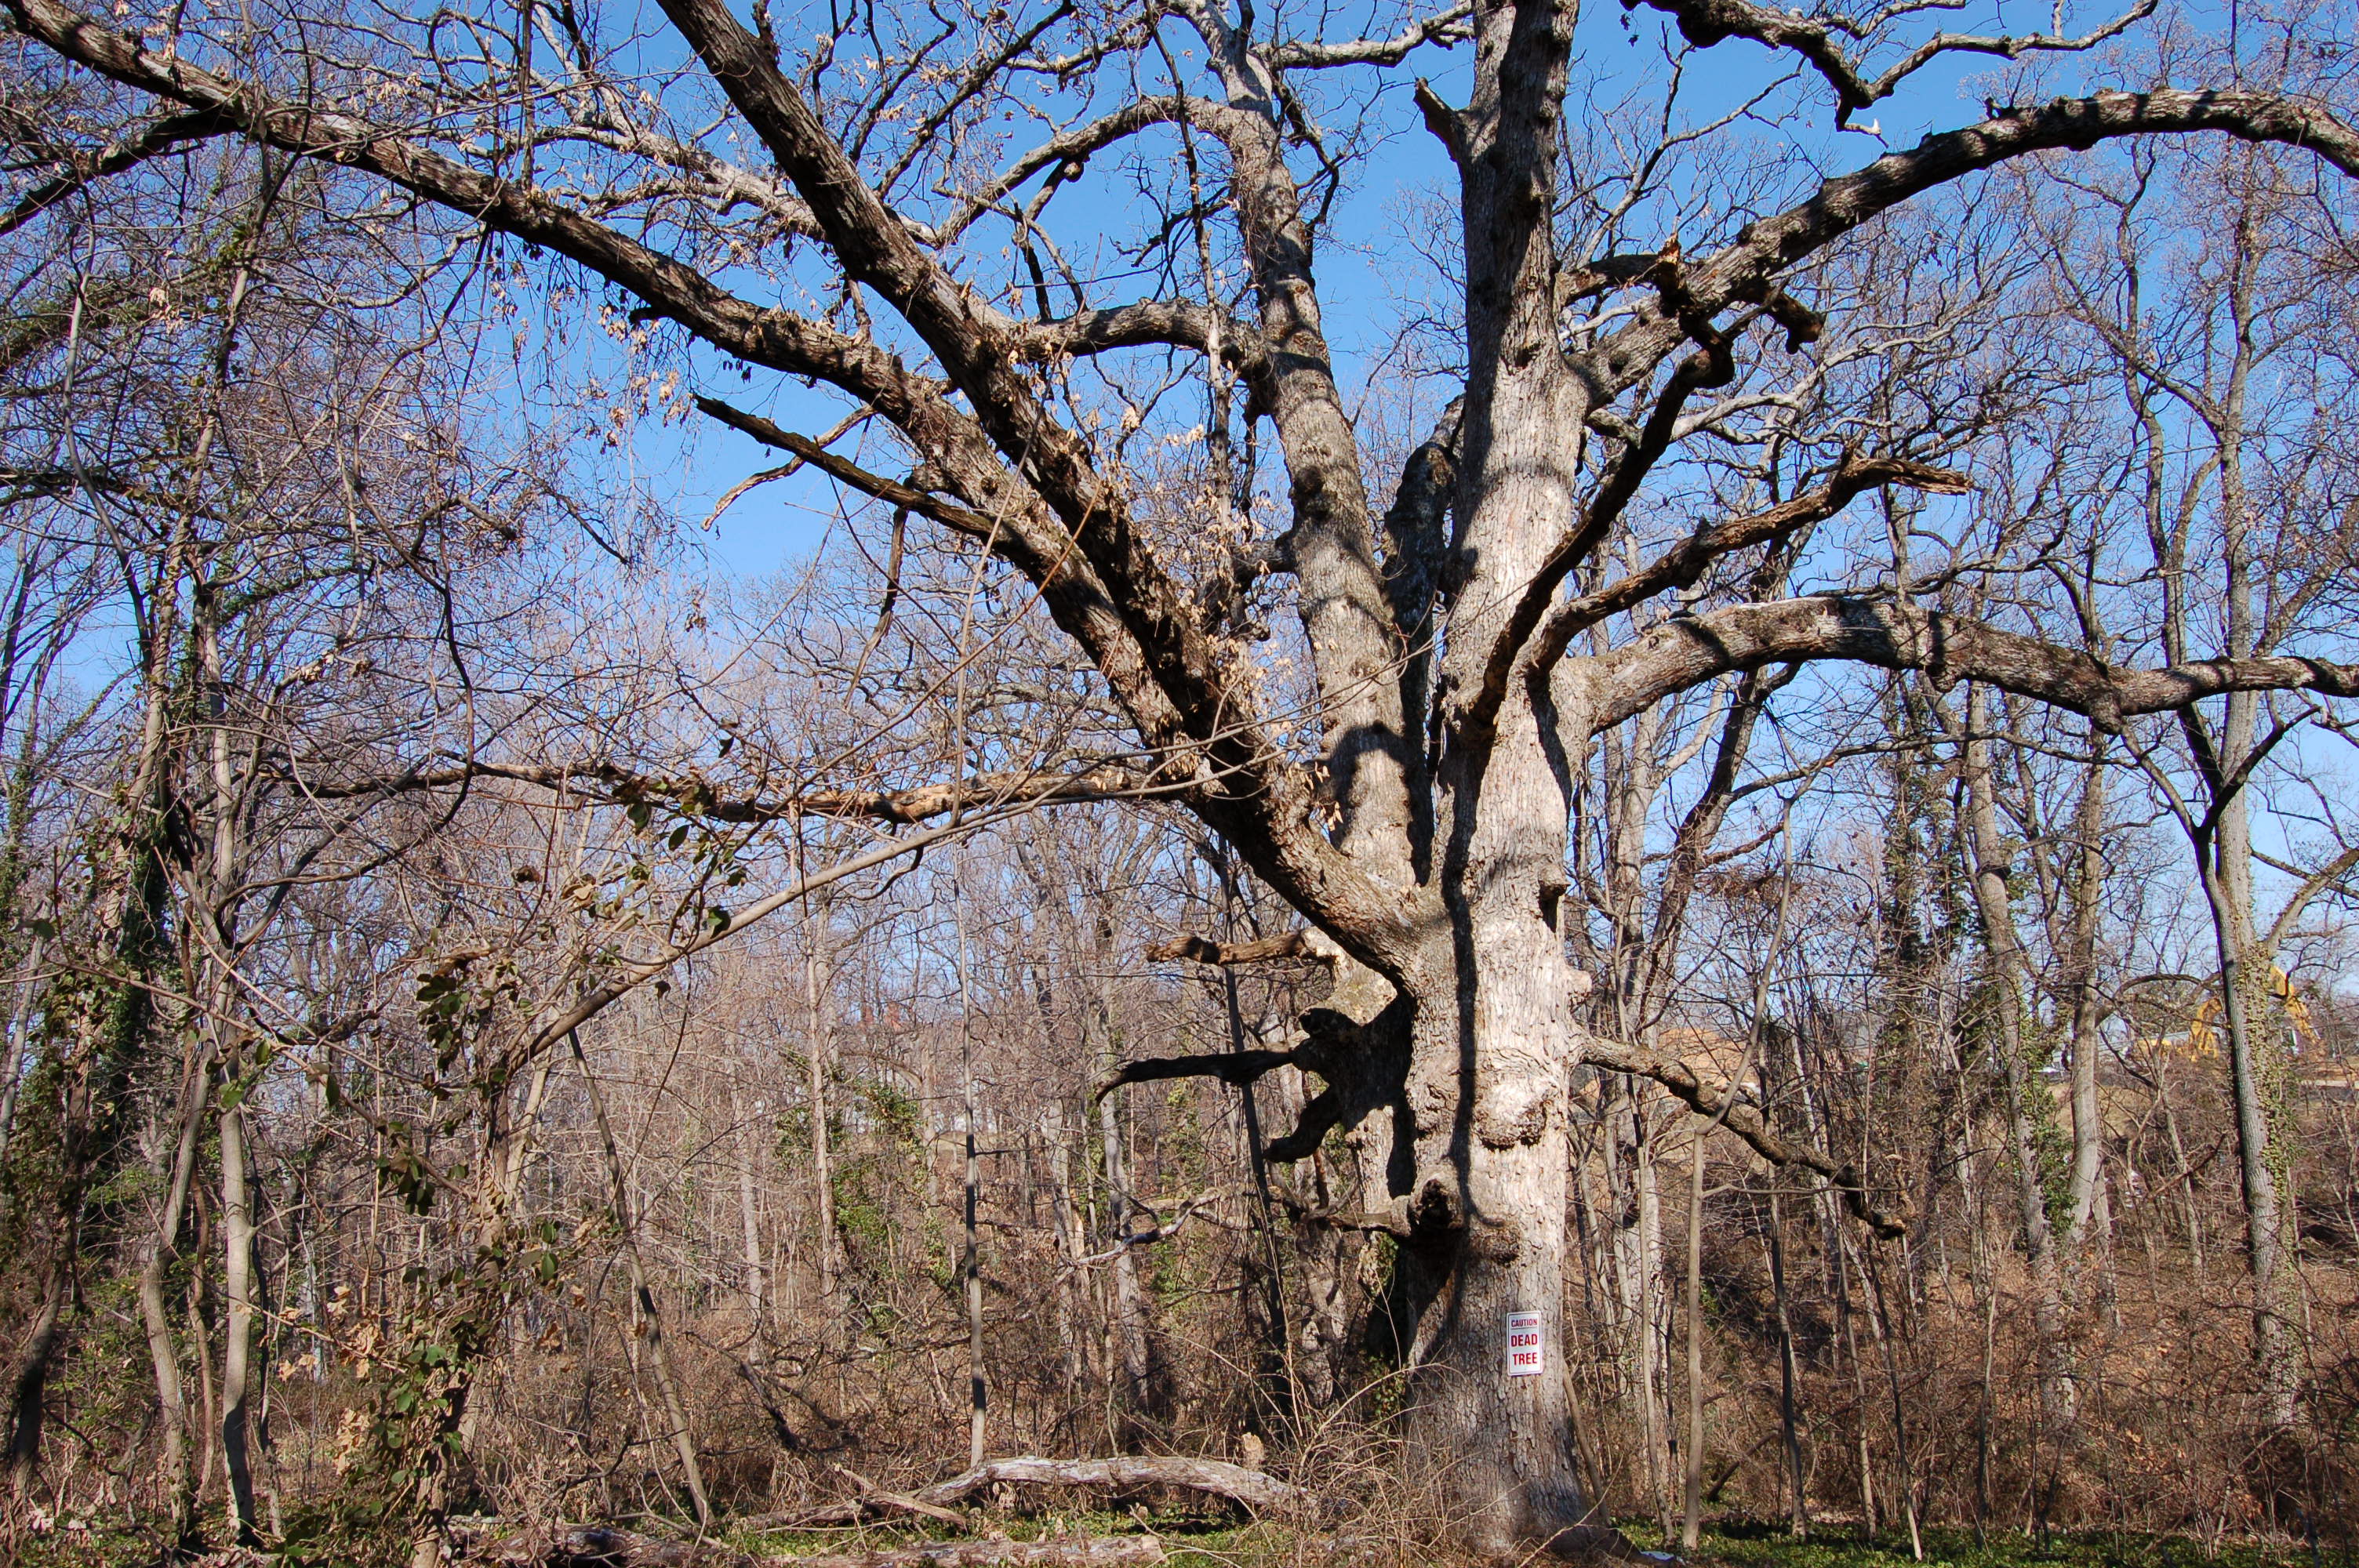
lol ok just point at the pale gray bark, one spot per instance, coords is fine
(12, 1061)
(237, 1289)
(2084, 1003)
(819, 1039)
(751, 1151)
(1992, 862)
(179, 1483)
(1422, 828)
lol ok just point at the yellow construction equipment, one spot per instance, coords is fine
(2203, 1029)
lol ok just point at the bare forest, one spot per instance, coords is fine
(1070, 782)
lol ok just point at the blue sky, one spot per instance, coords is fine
(687, 468)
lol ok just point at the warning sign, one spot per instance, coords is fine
(1527, 1355)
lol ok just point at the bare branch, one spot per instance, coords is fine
(949, 514)
(1445, 27)
(1743, 271)
(1743, 1119)
(604, 783)
(151, 141)
(1234, 1067)
(1305, 942)
(1704, 23)
(1893, 635)
(1685, 564)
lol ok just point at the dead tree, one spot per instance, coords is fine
(1407, 793)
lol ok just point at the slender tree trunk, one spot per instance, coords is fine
(819, 1039)
(2224, 852)
(106, 1024)
(1129, 1297)
(978, 1387)
(1789, 1423)
(2086, 1002)
(20, 1017)
(682, 1437)
(2059, 1401)
(201, 1326)
(1072, 1303)
(1644, 1298)
(971, 1263)
(2185, 1181)
(28, 1396)
(1879, 1323)
(237, 1290)
(1691, 1489)
(2272, 1340)
(178, 1483)
(750, 1150)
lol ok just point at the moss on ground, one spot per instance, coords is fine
(1766, 1545)
(1195, 1539)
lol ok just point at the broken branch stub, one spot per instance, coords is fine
(1304, 942)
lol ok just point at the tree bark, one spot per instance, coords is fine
(1691, 1473)
(1129, 1327)
(2085, 1003)
(751, 1148)
(593, 1547)
(819, 1049)
(971, 1255)
(178, 1483)
(237, 1288)
(2010, 977)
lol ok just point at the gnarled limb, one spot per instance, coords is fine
(1446, 27)
(1342, 606)
(607, 783)
(152, 140)
(1061, 523)
(1179, 323)
(1704, 23)
(1235, 1068)
(1304, 942)
(1897, 635)
(949, 514)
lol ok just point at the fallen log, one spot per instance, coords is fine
(1123, 1473)
(591, 1546)
(872, 1495)
(1069, 1551)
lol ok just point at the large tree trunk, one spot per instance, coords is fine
(30, 1388)
(1487, 1086)
(1493, 1041)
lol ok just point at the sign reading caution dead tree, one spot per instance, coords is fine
(1526, 1353)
